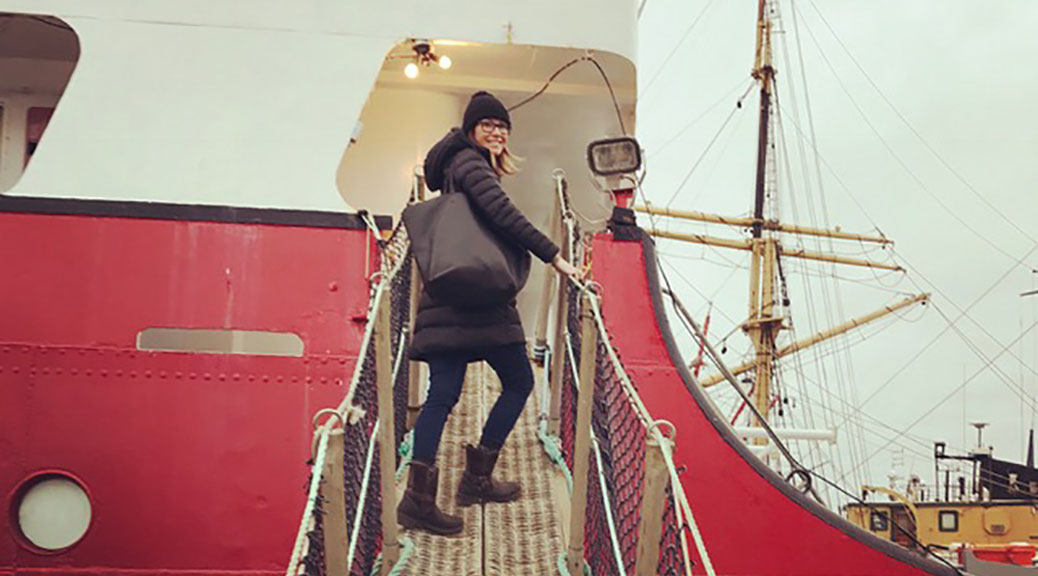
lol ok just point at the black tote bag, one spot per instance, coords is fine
(464, 262)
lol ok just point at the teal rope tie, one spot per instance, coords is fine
(405, 449)
(564, 571)
(553, 447)
(407, 548)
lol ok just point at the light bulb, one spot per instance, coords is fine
(445, 62)
(411, 70)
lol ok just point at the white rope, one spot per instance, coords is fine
(679, 519)
(681, 499)
(629, 390)
(368, 462)
(617, 553)
(369, 221)
(681, 506)
(613, 537)
(355, 533)
(344, 408)
(369, 330)
(678, 492)
(311, 501)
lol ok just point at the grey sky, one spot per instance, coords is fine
(961, 73)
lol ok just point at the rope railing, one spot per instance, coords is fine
(344, 528)
(682, 509)
(637, 496)
(641, 518)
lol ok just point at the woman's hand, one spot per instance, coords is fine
(565, 268)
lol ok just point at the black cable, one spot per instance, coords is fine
(612, 95)
(551, 78)
(601, 71)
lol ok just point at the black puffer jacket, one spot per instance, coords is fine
(441, 328)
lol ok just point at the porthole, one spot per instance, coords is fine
(52, 512)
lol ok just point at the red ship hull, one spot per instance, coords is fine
(753, 521)
(194, 463)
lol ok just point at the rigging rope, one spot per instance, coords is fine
(919, 136)
(919, 182)
(939, 403)
(688, 175)
(798, 468)
(674, 50)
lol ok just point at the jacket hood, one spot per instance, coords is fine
(443, 152)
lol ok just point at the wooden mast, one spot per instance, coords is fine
(762, 326)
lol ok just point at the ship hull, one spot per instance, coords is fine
(752, 520)
(192, 462)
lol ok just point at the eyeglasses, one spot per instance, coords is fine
(489, 126)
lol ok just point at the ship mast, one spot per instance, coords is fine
(762, 327)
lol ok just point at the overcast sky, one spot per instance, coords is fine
(961, 73)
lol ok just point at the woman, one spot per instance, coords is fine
(448, 338)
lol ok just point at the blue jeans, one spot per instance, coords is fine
(446, 379)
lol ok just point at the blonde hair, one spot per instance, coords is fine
(505, 163)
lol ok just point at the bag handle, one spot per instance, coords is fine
(448, 178)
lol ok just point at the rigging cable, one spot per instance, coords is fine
(738, 106)
(674, 50)
(963, 313)
(947, 397)
(919, 182)
(915, 132)
(780, 444)
(659, 149)
(828, 288)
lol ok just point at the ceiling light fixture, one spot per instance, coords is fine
(421, 54)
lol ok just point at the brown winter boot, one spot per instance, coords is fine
(476, 484)
(418, 508)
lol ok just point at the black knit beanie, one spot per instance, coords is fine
(484, 105)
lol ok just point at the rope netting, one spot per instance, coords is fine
(616, 477)
(358, 416)
(619, 437)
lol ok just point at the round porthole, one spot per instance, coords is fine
(52, 511)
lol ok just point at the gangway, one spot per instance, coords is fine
(597, 473)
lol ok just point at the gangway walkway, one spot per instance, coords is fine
(601, 493)
(522, 537)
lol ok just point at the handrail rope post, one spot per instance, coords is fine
(414, 368)
(558, 355)
(654, 495)
(582, 443)
(333, 490)
(387, 436)
(540, 343)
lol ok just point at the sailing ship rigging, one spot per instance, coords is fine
(772, 243)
